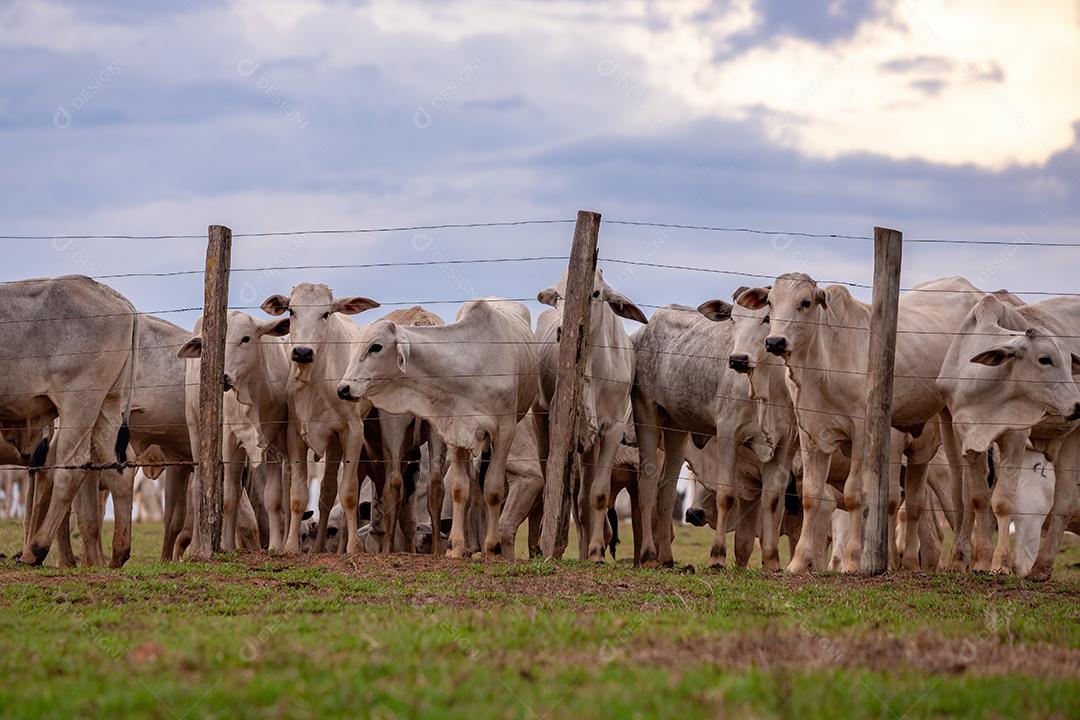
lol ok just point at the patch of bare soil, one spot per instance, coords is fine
(923, 652)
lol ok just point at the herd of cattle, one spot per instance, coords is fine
(768, 389)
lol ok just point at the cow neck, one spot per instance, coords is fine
(424, 339)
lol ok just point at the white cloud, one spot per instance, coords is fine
(1006, 88)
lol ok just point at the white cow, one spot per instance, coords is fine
(256, 377)
(822, 334)
(70, 354)
(1011, 370)
(320, 342)
(605, 396)
(473, 380)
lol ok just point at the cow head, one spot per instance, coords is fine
(796, 306)
(1037, 367)
(380, 356)
(749, 328)
(1001, 373)
(602, 295)
(311, 308)
(242, 336)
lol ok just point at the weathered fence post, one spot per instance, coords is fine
(206, 538)
(879, 390)
(566, 404)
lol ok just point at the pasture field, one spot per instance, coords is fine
(260, 635)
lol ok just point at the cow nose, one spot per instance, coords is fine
(1075, 414)
(739, 363)
(227, 382)
(344, 392)
(695, 517)
(303, 355)
(776, 345)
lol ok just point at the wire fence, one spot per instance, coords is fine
(703, 395)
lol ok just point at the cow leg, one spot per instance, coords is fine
(600, 489)
(85, 505)
(815, 475)
(929, 542)
(436, 489)
(524, 495)
(183, 540)
(328, 491)
(349, 494)
(915, 501)
(66, 556)
(121, 487)
(674, 455)
(233, 458)
(272, 485)
(1003, 500)
(775, 476)
(460, 483)
(839, 525)
(648, 437)
(247, 525)
(256, 492)
(298, 486)
(1067, 474)
(495, 488)
(394, 432)
(725, 490)
(175, 506)
(72, 442)
(974, 474)
(746, 530)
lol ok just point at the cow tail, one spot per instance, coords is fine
(41, 452)
(124, 435)
(613, 520)
(792, 501)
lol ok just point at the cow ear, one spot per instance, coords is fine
(275, 328)
(753, 298)
(820, 298)
(275, 305)
(623, 307)
(191, 350)
(403, 351)
(994, 356)
(307, 515)
(739, 291)
(548, 297)
(1075, 364)
(715, 310)
(353, 305)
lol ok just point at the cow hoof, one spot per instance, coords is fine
(457, 554)
(34, 555)
(1039, 573)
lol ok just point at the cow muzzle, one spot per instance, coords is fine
(776, 345)
(740, 363)
(227, 382)
(1075, 414)
(695, 516)
(303, 355)
(345, 393)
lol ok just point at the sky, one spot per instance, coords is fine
(954, 120)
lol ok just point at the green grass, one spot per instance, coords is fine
(268, 636)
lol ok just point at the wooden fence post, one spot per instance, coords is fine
(879, 390)
(565, 406)
(207, 533)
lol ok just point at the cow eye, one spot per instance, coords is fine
(1046, 360)
(245, 339)
(290, 312)
(804, 304)
(375, 347)
(765, 320)
(596, 293)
